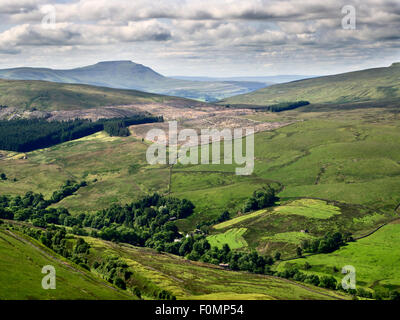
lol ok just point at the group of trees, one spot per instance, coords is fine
(224, 216)
(261, 199)
(294, 273)
(279, 107)
(284, 106)
(32, 206)
(328, 243)
(66, 190)
(25, 135)
(329, 282)
(145, 222)
(112, 268)
(116, 128)
(57, 240)
(116, 271)
(119, 127)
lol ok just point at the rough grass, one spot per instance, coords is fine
(100, 160)
(347, 156)
(353, 160)
(195, 280)
(21, 277)
(279, 229)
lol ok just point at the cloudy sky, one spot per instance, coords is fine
(201, 37)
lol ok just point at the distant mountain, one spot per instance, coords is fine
(130, 75)
(268, 80)
(369, 85)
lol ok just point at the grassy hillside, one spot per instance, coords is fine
(21, 263)
(23, 259)
(353, 159)
(195, 280)
(349, 159)
(360, 86)
(43, 95)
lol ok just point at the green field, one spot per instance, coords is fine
(239, 219)
(376, 259)
(310, 208)
(233, 237)
(21, 264)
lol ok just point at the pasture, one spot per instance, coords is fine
(233, 238)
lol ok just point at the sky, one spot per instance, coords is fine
(218, 38)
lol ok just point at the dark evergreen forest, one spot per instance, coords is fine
(25, 135)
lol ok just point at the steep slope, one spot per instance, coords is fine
(21, 264)
(130, 75)
(360, 86)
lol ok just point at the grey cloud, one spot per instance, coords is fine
(204, 30)
(70, 34)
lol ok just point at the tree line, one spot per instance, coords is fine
(328, 243)
(25, 135)
(147, 222)
(284, 106)
(150, 222)
(262, 198)
(279, 107)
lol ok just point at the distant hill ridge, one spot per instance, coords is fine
(49, 96)
(375, 84)
(129, 75)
